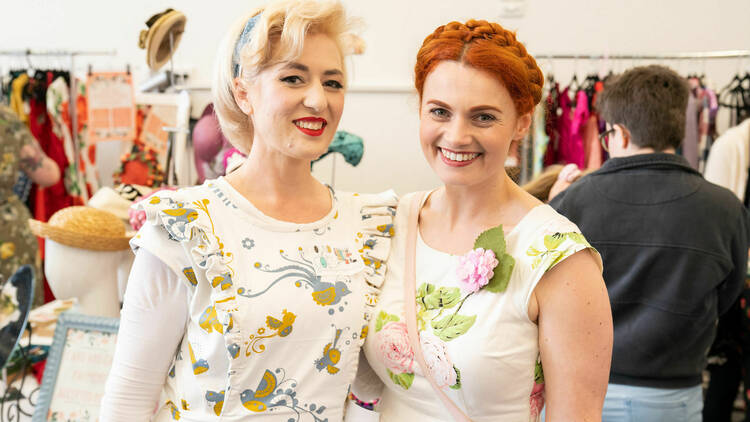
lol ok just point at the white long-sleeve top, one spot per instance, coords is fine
(145, 349)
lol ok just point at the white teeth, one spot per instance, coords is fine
(309, 125)
(458, 156)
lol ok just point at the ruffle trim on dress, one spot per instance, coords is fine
(376, 231)
(190, 223)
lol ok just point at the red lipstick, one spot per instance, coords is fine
(298, 123)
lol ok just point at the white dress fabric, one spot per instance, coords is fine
(480, 347)
(277, 311)
(729, 159)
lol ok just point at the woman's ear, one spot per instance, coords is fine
(241, 96)
(522, 127)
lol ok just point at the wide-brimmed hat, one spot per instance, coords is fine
(118, 200)
(84, 228)
(155, 39)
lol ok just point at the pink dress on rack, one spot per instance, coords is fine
(572, 149)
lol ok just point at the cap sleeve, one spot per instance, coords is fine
(555, 241)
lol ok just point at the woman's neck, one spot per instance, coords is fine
(462, 205)
(280, 186)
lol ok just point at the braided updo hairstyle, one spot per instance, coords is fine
(485, 46)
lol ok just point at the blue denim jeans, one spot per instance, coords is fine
(625, 403)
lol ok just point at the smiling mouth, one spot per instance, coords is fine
(311, 126)
(458, 157)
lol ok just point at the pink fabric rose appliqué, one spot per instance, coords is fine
(476, 268)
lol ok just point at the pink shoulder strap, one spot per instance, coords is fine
(410, 306)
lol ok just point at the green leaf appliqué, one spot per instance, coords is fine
(494, 240)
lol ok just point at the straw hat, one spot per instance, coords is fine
(155, 39)
(84, 228)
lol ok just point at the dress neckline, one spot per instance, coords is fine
(508, 236)
(256, 217)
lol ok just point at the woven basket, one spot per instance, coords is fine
(84, 228)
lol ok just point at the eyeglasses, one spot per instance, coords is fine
(604, 137)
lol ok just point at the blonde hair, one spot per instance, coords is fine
(277, 37)
(541, 186)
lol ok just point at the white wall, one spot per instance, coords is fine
(394, 30)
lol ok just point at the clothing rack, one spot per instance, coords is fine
(702, 55)
(725, 54)
(71, 55)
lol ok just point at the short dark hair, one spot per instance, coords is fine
(650, 101)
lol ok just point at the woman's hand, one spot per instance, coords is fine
(569, 174)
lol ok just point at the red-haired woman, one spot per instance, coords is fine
(493, 301)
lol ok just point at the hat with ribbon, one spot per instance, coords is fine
(155, 39)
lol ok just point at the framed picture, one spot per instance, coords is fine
(77, 368)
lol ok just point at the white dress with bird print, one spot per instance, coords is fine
(278, 310)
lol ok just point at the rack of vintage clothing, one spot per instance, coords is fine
(39, 91)
(566, 126)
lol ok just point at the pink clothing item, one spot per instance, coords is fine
(573, 150)
(475, 269)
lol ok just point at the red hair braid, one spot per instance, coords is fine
(485, 46)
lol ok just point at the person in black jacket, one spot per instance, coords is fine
(674, 248)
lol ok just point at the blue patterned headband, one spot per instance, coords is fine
(241, 42)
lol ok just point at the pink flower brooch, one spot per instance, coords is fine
(487, 266)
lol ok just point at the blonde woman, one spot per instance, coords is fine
(249, 294)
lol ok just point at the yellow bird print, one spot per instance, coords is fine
(217, 398)
(259, 400)
(186, 214)
(209, 321)
(224, 280)
(283, 327)
(331, 356)
(199, 366)
(324, 293)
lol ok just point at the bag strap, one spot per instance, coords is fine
(410, 306)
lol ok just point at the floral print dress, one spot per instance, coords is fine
(479, 346)
(18, 246)
(278, 310)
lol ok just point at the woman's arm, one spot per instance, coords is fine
(575, 338)
(40, 168)
(152, 324)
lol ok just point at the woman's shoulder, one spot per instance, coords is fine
(547, 238)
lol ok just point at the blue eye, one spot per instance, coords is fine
(440, 112)
(485, 118)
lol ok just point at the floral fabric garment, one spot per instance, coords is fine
(18, 246)
(278, 310)
(477, 340)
